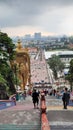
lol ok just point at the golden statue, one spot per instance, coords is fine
(23, 62)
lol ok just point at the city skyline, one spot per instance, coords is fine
(50, 17)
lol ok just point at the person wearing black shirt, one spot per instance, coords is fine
(65, 98)
(35, 98)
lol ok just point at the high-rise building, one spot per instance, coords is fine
(27, 36)
(37, 36)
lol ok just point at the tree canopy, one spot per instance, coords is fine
(56, 64)
(7, 54)
(71, 39)
(69, 76)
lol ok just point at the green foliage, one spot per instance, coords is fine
(2, 80)
(6, 46)
(69, 76)
(55, 64)
(7, 54)
(71, 39)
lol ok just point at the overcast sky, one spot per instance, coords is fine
(50, 17)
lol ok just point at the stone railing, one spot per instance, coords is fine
(8, 103)
(44, 120)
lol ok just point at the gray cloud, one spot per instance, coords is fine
(41, 13)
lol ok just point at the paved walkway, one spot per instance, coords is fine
(24, 117)
(20, 117)
(59, 118)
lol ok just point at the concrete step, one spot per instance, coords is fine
(61, 127)
(19, 127)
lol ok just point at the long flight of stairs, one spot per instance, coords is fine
(19, 127)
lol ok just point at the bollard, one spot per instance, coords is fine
(43, 105)
(42, 97)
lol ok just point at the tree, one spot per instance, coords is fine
(6, 46)
(71, 39)
(7, 54)
(2, 80)
(69, 76)
(56, 65)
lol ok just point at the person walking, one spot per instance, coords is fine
(35, 98)
(65, 98)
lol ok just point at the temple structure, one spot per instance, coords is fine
(22, 62)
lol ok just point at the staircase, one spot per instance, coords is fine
(19, 127)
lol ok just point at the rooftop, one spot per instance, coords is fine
(48, 54)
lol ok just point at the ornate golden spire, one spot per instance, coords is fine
(19, 45)
(20, 48)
